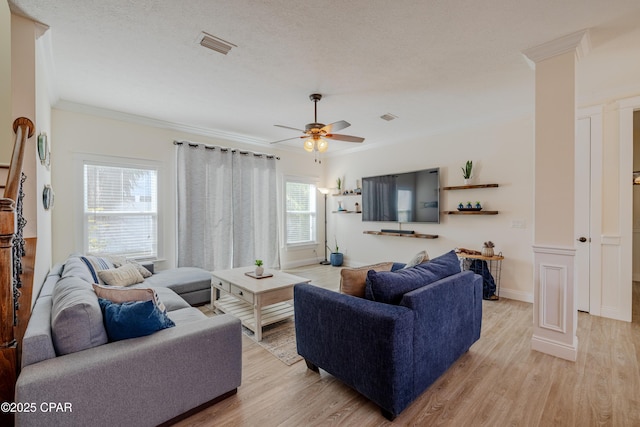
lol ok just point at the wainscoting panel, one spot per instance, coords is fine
(553, 296)
(611, 303)
(555, 314)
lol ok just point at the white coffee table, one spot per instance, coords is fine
(256, 302)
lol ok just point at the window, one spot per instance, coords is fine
(120, 209)
(300, 226)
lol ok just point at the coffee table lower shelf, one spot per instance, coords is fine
(244, 311)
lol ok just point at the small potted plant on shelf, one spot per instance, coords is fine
(259, 268)
(466, 172)
(339, 185)
(487, 249)
(336, 256)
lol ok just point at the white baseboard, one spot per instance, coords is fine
(555, 348)
(516, 295)
(300, 263)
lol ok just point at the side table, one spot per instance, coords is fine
(494, 265)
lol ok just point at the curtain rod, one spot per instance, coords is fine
(225, 149)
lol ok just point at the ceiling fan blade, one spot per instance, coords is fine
(347, 138)
(289, 139)
(287, 127)
(336, 126)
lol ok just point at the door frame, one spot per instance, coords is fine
(595, 227)
(626, 108)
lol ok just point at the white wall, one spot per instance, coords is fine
(502, 153)
(74, 132)
(43, 174)
(6, 131)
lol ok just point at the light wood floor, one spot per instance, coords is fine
(500, 381)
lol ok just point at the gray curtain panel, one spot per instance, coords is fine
(255, 213)
(227, 208)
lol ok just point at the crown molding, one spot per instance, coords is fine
(578, 42)
(157, 123)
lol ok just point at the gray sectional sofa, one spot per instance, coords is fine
(67, 360)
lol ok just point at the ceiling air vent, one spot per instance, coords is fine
(215, 43)
(388, 117)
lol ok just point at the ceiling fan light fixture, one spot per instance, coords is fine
(322, 145)
(309, 145)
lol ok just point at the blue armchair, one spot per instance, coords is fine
(389, 352)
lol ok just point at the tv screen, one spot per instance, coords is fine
(402, 197)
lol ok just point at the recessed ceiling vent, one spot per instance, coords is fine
(215, 43)
(388, 117)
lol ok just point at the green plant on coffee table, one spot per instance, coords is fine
(259, 263)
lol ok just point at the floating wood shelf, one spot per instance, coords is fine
(464, 187)
(470, 212)
(345, 212)
(413, 235)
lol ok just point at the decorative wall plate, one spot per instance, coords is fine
(43, 149)
(47, 197)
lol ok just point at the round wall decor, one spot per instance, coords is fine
(47, 197)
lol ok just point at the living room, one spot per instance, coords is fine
(502, 147)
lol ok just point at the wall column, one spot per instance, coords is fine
(555, 313)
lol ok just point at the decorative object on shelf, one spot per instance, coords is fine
(466, 172)
(358, 189)
(340, 207)
(358, 208)
(324, 192)
(259, 268)
(487, 249)
(43, 150)
(339, 185)
(460, 206)
(469, 207)
(478, 205)
(336, 256)
(47, 197)
(636, 177)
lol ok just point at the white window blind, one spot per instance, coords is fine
(301, 212)
(121, 210)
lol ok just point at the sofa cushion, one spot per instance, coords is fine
(186, 315)
(76, 318)
(353, 280)
(133, 319)
(389, 286)
(125, 275)
(181, 279)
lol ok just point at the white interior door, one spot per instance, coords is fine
(582, 222)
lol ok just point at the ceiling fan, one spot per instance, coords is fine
(317, 134)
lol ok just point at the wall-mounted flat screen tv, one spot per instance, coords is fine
(402, 197)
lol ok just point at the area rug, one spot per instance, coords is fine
(278, 339)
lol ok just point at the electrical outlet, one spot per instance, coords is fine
(518, 223)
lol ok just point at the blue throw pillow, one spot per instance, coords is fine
(133, 319)
(389, 286)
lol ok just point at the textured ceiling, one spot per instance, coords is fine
(435, 64)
